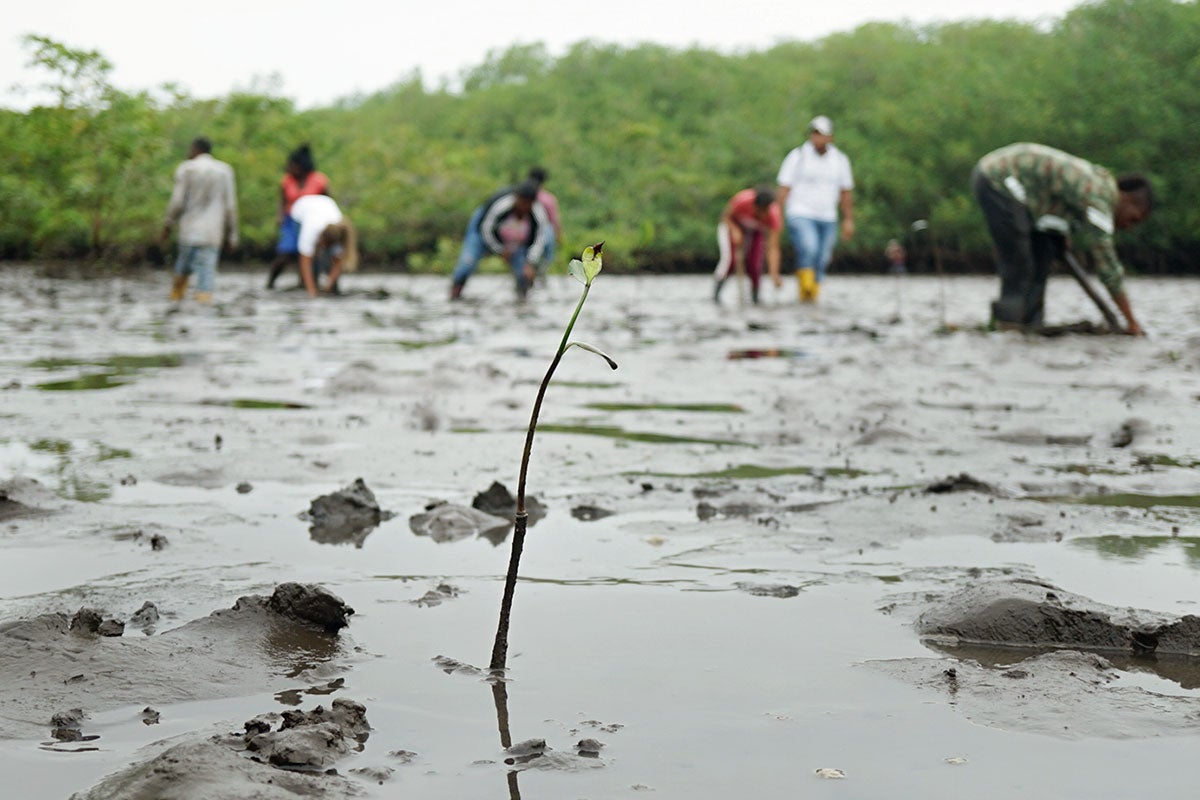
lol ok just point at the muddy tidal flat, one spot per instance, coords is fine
(865, 549)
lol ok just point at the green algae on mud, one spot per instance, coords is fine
(1125, 500)
(420, 344)
(757, 471)
(118, 370)
(87, 382)
(703, 408)
(614, 432)
(249, 402)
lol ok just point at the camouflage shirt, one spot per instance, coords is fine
(1051, 183)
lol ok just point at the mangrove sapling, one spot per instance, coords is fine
(584, 271)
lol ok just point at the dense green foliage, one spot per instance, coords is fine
(670, 134)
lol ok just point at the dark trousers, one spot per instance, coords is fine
(1022, 253)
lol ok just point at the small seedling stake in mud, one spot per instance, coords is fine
(584, 271)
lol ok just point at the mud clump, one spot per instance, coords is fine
(145, 618)
(292, 761)
(963, 482)
(498, 501)
(1130, 431)
(437, 596)
(311, 604)
(779, 590)
(588, 513)
(312, 739)
(345, 516)
(91, 621)
(67, 726)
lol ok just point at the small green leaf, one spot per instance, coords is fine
(575, 270)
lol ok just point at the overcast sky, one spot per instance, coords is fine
(329, 50)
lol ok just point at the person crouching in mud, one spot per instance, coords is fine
(326, 242)
(749, 228)
(1033, 197)
(513, 225)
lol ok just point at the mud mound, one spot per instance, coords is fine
(1031, 614)
(962, 482)
(24, 497)
(214, 770)
(46, 665)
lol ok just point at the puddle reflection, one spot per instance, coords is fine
(1178, 669)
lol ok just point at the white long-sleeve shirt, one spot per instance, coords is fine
(204, 203)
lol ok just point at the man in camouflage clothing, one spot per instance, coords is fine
(1033, 198)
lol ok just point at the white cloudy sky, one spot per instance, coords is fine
(326, 50)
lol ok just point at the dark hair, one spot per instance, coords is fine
(1138, 186)
(526, 190)
(202, 144)
(763, 197)
(302, 158)
(538, 175)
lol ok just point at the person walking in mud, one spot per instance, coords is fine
(815, 184)
(513, 225)
(325, 241)
(301, 178)
(538, 176)
(749, 229)
(1036, 200)
(204, 205)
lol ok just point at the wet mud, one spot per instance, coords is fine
(85, 662)
(784, 540)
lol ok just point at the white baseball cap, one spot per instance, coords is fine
(821, 125)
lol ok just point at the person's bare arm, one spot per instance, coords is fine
(335, 271)
(306, 275)
(781, 195)
(773, 258)
(846, 203)
(1122, 301)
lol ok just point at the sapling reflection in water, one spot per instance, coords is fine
(585, 271)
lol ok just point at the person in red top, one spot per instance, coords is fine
(300, 178)
(749, 227)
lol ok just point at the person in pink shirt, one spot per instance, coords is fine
(301, 178)
(749, 228)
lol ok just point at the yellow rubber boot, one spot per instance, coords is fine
(808, 285)
(204, 298)
(178, 288)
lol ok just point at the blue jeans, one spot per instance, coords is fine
(200, 259)
(813, 240)
(474, 249)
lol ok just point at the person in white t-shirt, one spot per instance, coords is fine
(815, 183)
(326, 238)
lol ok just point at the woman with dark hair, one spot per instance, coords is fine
(300, 178)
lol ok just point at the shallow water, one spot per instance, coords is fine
(654, 630)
